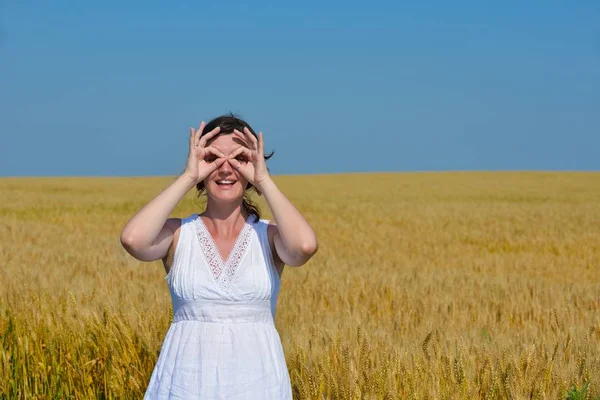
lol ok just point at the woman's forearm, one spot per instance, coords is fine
(296, 233)
(144, 227)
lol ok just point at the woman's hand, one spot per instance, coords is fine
(197, 167)
(252, 167)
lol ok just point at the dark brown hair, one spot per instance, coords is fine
(228, 123)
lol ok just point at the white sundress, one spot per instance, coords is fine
(222, 343)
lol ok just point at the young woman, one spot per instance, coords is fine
(224, 269)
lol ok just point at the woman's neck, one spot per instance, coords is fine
(224, 218)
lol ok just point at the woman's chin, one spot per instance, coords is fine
(227, 195)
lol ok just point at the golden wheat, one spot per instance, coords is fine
(425, 286)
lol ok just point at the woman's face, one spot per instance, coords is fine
(226, 183)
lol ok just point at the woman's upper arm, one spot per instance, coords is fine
(281, 254)
(162, 246)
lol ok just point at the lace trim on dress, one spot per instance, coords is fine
(223, 272)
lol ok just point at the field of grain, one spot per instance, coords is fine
(426, 286)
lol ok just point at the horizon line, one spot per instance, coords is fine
(315, 173)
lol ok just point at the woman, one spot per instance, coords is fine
(223, 268)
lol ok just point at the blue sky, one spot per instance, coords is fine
(112, 88)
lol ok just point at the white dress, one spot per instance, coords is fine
(222, 343)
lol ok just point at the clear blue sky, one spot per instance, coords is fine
(111, 88)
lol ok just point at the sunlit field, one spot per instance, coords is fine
(425, 286)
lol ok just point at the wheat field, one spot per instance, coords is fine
(454, 285)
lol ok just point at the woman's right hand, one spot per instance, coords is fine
(198, 167)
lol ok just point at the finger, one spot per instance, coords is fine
(214, 151)
(213, 166)
(208, 136)
(192, 136)
(198, 133)
(251, 137)
(241, 166)
(217, 163)
(241, 136)
(241, 150)
(245, 138)
(261, 144)
(236, 164)
(204, 139)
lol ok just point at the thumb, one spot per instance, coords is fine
(245, 170)
(239, 167)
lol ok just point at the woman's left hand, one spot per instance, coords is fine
(252, 167)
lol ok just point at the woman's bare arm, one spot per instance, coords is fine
(149, 233)
(295, 241)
